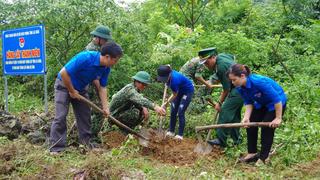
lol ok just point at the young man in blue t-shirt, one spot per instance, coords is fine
(71, 82)
(183, 90)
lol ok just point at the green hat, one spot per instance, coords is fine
(102, 32)
(142, 76)
(204, 54)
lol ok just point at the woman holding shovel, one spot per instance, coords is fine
(183, 91)
(265, 101)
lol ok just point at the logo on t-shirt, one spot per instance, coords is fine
(258, 95)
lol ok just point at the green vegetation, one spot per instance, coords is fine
(279, 39)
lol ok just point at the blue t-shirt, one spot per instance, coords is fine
(85, 67)
(180, 84)
(262, 91)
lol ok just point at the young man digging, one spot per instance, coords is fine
(71, 82)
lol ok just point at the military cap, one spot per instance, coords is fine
(204, 54)
(102, 32)
(142, 76)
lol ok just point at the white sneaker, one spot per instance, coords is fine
(170, 134)
(178, 137)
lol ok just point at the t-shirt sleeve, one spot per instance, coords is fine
(104, 78)
(76, 63)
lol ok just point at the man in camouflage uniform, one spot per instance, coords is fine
(129, 106)
(230, 102)
(101, 35)
(195, 72)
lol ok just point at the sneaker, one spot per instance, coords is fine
(178, 137)
(170, 134)
(215, 142)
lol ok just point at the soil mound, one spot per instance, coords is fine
(112, 139)
(169, 150)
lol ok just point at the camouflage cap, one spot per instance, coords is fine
(102, 32)
(142, 76)
(204, 54)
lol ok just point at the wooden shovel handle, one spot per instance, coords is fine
(114, 120)
(233, 125)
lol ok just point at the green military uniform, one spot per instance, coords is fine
(126, 105)
(231, 107)
(192, 70)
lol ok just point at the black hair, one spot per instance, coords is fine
(112, 49)
(238, 69)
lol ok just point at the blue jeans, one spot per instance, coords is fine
(179, 106)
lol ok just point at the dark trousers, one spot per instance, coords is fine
(267, 134)
(179, 106)
(58, 132)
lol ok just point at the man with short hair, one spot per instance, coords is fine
(230, 101)
(71, 82)
(129, 106)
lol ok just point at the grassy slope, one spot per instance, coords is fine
(27, 160)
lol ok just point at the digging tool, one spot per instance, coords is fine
(163, 100)
(204, 147)
(142, 140)
(233, 125)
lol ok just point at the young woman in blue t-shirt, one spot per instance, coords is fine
(183, 90)
(265, 101)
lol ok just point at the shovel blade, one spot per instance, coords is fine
(143, 142)
(203, 148)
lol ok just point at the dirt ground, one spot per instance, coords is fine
(112, 139)
(176, 152)
(165, 150)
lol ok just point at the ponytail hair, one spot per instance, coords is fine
(238, 69)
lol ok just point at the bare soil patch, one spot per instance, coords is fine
(172, 151)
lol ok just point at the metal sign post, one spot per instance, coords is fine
(23, 52)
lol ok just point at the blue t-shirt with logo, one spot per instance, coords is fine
(262, 91)
(85, 67)
(180, 84)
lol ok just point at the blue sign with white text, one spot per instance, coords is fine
(23, 51)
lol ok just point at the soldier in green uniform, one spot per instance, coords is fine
(129, 106)
(101, 35)
(230, 101)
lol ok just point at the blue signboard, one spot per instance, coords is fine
(23, 51)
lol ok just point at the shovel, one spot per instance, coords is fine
(160, 130)
(204, 147)
(142, 139)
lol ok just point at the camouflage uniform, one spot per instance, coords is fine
(126, 105)
(193, 69)
(92, 47)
